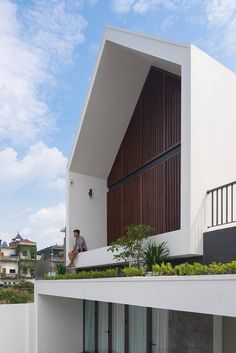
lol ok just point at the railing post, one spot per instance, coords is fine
(222, 211)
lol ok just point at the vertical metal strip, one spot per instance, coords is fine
(226, 208)
(110, 327)
(149, 330)
(232, 203)
(96, 326)
(84, 325)
(126, 329)
(221, 216)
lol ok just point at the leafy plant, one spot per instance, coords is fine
(60, 269)
(24, 284)
(155, 253)
(110, 272)
(133, 271)
(15, 296)
(130, 247)
(164, 269)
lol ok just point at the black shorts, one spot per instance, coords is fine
(79, 250)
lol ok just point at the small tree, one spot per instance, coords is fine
(130, 247)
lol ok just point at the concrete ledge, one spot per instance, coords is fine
(201, 294)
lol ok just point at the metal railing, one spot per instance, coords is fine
(222, 204)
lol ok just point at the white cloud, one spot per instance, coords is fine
(140, 6)
(220, 12)
(34, 41)
(45, 224)
(42, 165)
(49, 216)
(122, 6)
(221, 16)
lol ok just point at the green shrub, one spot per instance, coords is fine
(155, 253)
(23, 284)
(133, 271)
(14, 296)
(110, 272)
(191, 269)
(60, 269)
(163, 269)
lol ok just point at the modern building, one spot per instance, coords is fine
(155, 145)
(48, 259)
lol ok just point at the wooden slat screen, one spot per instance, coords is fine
(148, 194)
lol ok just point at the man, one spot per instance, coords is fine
(80, 246)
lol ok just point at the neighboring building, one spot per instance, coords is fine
(156, 145)
(8, 263)
(17, 260)
(26, 250)
(48, 259)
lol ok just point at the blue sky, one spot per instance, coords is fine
(47, 52)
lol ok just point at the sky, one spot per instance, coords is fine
(48, 50)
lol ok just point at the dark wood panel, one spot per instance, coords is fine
(153, 198)
(114, 214)
(172, 110)
(116, 172)
(132, 143)
(132, 202)
(155, 127)
(153, 115)
(172, 197)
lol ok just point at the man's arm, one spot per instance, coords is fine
(81, 245)
(74, 248)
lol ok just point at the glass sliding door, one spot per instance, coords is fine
(89, 326)
(103, 327)
(118, 328)
(137, 329)
(160, 328)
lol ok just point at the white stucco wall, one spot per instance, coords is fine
(213, 130)
(17, 328)
(60, 325)
(201, 294)
(9, 265)
(8, 251)
(89, 214)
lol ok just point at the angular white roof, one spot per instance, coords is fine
(123, 62)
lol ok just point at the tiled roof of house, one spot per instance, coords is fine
(4, 244)
(27, 241)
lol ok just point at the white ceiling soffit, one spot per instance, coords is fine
(120, 73)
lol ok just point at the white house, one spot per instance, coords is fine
(156, 145)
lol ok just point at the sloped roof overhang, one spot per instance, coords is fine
(122, 66)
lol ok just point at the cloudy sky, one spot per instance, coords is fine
(47, 52)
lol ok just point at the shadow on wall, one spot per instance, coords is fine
(199, 225)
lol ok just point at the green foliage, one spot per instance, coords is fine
(24, 284)
(110, 272)
(133, 271)
(155, 253)
(130, 247)
(163, 269)
(60, 269)
(195, 269)
(14, 296)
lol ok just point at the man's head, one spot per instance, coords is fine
(76, 233)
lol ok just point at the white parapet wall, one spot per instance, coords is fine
(210, 294)
(17, 328)
(60, 325)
